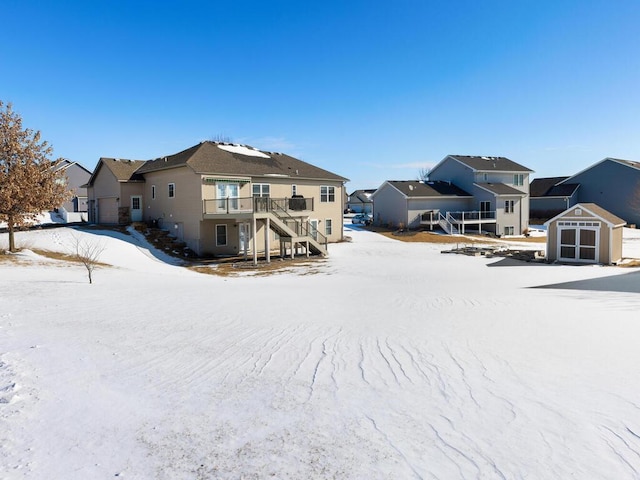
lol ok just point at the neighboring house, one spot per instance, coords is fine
(225, 199)
(461, 193)
(360, 201)
(414, 203)
(585, 233)
(550, 196)
(115, 192)
(76, 177)
(612, 183)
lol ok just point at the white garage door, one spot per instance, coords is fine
(107, 210)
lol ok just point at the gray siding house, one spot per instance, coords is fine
(612, 183)
(76, 177)
(462, 193)
(550, 196)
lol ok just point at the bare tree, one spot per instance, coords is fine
(423, 174)
(30, 182)
(221, 138)
(88, 253)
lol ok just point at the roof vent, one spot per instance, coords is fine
(411, 187)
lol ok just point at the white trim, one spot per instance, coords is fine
(619, 161)
(596, 227)
(169, 185)
(568, 215)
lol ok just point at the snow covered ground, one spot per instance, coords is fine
(387, 360)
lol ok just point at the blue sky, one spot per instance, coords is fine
(370, 90)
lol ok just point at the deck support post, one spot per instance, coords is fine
(254, 236)
(267, 240)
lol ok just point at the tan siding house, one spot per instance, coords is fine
(112, 190)
(585, 233)
(227, 199)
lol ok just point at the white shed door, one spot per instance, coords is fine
(579, 243)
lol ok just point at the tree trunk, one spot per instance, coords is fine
(12, 243)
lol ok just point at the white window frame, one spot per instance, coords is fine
(294, 190)
(226, 237)
(328, 226)
(264, 190)
(509, 230)
(518, 179)
(171, 190)
(327, 194)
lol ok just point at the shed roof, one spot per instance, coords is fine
(596, 210)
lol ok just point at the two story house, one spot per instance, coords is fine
(612, 184)
(225, 199)
(462, 193)
(76, 177)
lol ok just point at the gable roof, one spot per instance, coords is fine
(66, 164)
(500, 189)
(362, 196)
(552, 187)
(233, 159)
(627, 163)
(595, 210)
(415, 188)
(489, 164)
(540, 186)
(123, 170)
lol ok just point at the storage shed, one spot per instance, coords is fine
(585, 233)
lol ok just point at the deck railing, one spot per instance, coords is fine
(472, 216)
(256, 205)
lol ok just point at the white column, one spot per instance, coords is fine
(254, 236)
(267, 240)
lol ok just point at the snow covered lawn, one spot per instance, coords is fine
(389, 361)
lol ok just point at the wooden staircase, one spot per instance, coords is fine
(296, 231)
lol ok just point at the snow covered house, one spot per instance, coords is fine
(585, 233)
(612, 183)
(462, 193)
(360, 201)
(224, 199)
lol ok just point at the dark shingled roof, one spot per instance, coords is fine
(495, 164)
(500, 189)
(540, 186)
(362, 196)
(630, 163)
(552, 187)
(208, 158)
(414, 188)
(123, 170)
